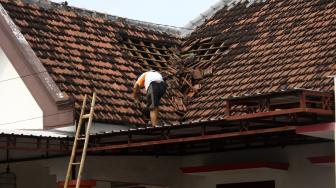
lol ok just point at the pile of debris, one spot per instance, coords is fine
(186, 80)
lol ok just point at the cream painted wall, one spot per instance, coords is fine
(165, 171)
(31, 175)
(301, 172)
(16, 101)
(140, 169)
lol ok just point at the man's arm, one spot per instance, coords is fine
(139, 83)
(135, 90)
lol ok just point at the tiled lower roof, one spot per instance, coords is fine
(264, 47)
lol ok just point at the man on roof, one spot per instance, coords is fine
(155, 89)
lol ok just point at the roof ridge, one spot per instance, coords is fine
(199, 20)
(176, 31)
(173, 30)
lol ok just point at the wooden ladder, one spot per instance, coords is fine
(72, 161)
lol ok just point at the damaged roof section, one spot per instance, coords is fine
(261, 48)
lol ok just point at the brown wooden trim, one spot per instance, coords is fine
(265, 114)
(190, 139)
(330, 126)
(22, 148)
(235, 166)
(317, 93)
(280, 112)
(322, 159)
(319, 111)
(83, 183)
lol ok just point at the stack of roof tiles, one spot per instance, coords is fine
(245, 49)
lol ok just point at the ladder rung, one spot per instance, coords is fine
(86, 116)
(80, 136)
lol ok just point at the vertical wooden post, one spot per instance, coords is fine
(302, 99)
(228, 113)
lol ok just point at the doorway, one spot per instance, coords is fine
(259, 184)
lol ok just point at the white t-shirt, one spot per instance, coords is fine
(148, 77)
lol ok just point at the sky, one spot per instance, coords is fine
(168, 12)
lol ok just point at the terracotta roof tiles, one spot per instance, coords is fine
(84, 53)
(277, 44)
(243, 49)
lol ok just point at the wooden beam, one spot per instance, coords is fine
(265, 114)
(279, 112)
(22, 148)
(190, 139)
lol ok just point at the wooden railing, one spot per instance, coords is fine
(278, 103)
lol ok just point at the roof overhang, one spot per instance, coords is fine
(34, 75)
(321, 130)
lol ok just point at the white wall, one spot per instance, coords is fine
(16, 101)
(31, 175)
(301, 172)
(159, 171)
(165, 171)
